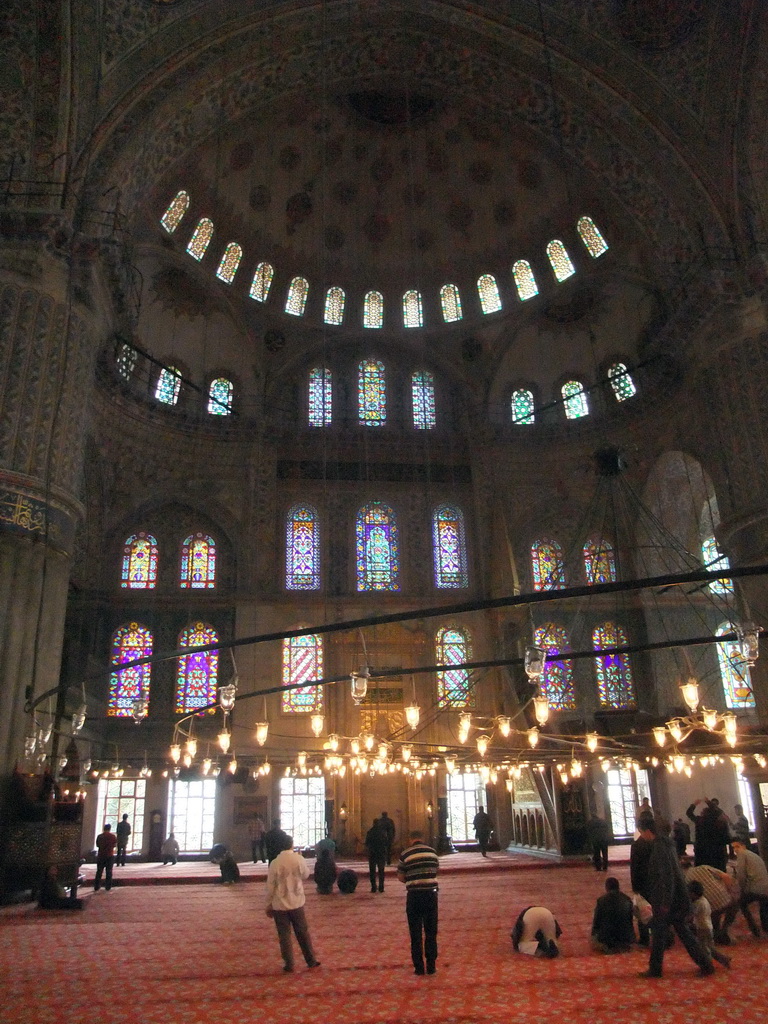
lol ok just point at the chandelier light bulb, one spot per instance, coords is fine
(333, 742)
(359, 683)
(316, 724)
(412, 716)
(187, 760)
(262, 731)
(450, 764)
(679, 763)
(729, 727)
(564, 778)
(505, 725)
(592, 741)
(510, 784)
(541, 709)
(368, 740)
(30, 742)
(517, 772)
(354, 745)
(405, 752)
(383, 751)
(675, 731)
(533, 736)
(749, 642)
(174, 753)
(78, 719)
(301, 759)
(690, 691)
(535, 658)
(576, 769)
(710, 719)
(206, 765)
(485, 774)
(192, 746)
(362, 763)
(227, 696)
(224, 740)
(660, 734)
(233, 765)
(482, 745)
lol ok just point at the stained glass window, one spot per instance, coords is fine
(734, 671)
(574, 400)
(559, 260)
(197, 674)
(557, 681)
(423, 399)
(168, 386)
(320, 397)
(200, 239)
(450, 301)
(412, 314)
(373, 310)
(334, 306)
(126, 360)
(372, 393)
(449, 547)
(622, 384)
(262, 282)
(302, 549)
(198, 563)
(139, 562)
(302, 663)
(716, 562)
(548, 565)
(453, 647)
(220, 393)
(173, 215)
(230, 261)
(591, 237)
(522, 406)
(129, 643)
(599, 563)
(378, 558)
(525, 282)
(297, 296)
(615, 686)
(487, 289)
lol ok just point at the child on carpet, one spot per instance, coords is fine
(702, 923)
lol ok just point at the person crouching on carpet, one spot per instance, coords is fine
(220, 855)
(535, 933)
(613, 930)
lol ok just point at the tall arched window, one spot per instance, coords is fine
(714, 561)
(198, 563)
(525, 282)
(372, 393)
(175, 212)
(139, 562)
(320, 397)
(168, 385)
(373, 309)
(201, 238)
(557, 681)
(334, 306)
(591, 237)
(298, 290)
(522, 406)
(196, 674)
(262, 282)
(599, 563)
(220, 392)
(423, 400)
(449, 548)
(559, 260)
(412, 313)
(129, 643)
(548, 565)
(378, 556)
(302, 663)
(302, 549)
(450, 302)
(230, 261)
(488, 290)
(615, 686)
(621, 383)
(574, 400)
(126, 360)
(734, 671)
(453, 647)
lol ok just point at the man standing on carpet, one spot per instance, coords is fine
(376, 844)
(105, 857)
(285, 903)
(123, 832)
(418, 867)
(482, 826)
(274, 840)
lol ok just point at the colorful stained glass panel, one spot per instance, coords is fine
(574, 400)
(378, 559)
(525, 282)
(522, 407)
(449, 548)
(201, 238)
(175, 212)
(220, 394)
(126, 360)
(557, 681)
(139, 562)
(423, 399)
(372, 393)
(302, 547)
(488, 290)
(715, 561)
(615, 686)
(302, 663)
(734, 671)
(599, 563)
(548, 565)
(621, 382)
(373, 310)
(262, 282)
(412, 313)
(197, 674)
(591, 237)
(453, 648)
(129, 643)
(198, 563)
(230, 261)
(559, 260)
(168, 386)
(334, 306)
(320, 397)
(298, 291)
(450, 302)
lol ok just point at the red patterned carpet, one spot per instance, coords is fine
(206, 954)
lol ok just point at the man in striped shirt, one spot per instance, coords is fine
(418, 868)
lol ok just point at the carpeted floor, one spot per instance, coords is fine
(207, 954)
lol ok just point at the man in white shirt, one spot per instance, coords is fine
(285, 903)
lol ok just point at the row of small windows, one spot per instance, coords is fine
(219, 395)
(574, 395)
(373, 303)
(197, 563)
(372, 396)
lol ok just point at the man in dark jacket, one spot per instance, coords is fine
(599, 833)
(376, 844)
(710, 844)
(482, 826)
(612, 927)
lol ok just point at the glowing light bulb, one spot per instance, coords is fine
(405, 752)
(413, 715)
(224, 740)
(174, 753)
(576, 769)
(368, 740)
(505, 725)
(450, 764)
(533, 736)
(383, 751)
(592, 741)
(710, 719)
(206, 767)
(675, 731)
(333, 742)
(301, 759)
(262, 731)
(354, 745)
(191, 746)
(187, 760)
(690, 691)
(233, 765)
(660, 734)
(541, 709)
(482, 745)
(316, 724)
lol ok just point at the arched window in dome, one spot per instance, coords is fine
(453, 647)
(557, 681)
(129, 643)
(320, 397)
(302, 663)
(262, 282)
(734, 671)
(373, 309)
(450, 302)
(525, 282)
(201, 238)
(591, 237)
(302, 549)
(378, 556)
(412, 313)
(372, 393)
(220, 393)
(599, 563)
(559, 260)
(139, 562)
(522, 407)
(168, 385)
(334, 306)
(196, 674)
(449, 547)
(423, 400)
(198, 563)
(488, 290)
(230, 261)
(126, 360)
(298, 290)
(615, 685)
(574, 400)
(548, 565)
(175, 212)
(621, 383)
(714, 561)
